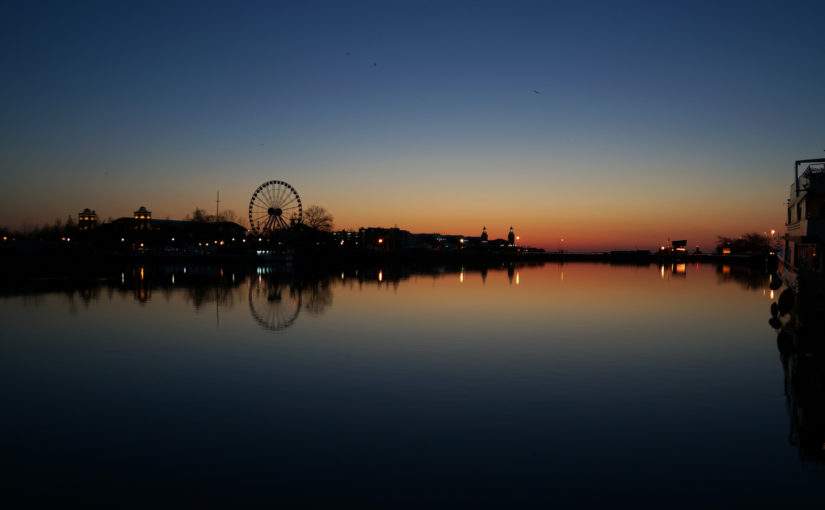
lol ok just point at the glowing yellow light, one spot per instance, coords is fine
(461, 277)
(726, 251)
(5, 238)
(380, 240)
(681, 268)
(725, 269)
(517, 278)
(662, 271)
(141, 273)
(771, 293)
(141, 245)
(773, 232)
(380, 276)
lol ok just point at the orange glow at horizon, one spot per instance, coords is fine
(576, 227)
(566, 208)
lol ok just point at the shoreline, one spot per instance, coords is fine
(16, 266)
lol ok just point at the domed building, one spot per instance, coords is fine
(143, 219)
(87, 219)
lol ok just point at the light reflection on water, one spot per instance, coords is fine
(507, 386)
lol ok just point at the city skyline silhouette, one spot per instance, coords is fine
(612, 126)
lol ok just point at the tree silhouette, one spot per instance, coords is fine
(318, 218)
(750, 243)
(198, 215)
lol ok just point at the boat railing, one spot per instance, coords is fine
(815, 169)
(811, 178)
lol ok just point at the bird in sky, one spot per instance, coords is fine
(536, 92)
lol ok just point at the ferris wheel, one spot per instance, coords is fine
(275, 205)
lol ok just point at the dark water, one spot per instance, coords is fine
(576, 385)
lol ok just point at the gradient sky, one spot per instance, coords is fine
(654, 120)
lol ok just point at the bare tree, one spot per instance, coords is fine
(228, 215)
(198, 215)
(318, 218)
(201, 216)
(750, 242)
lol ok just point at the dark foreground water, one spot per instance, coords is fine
(576, 385)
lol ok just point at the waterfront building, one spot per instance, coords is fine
(385, 239)
(87, 219)
(348, 238)
(143, 219)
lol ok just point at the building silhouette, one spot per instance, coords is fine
(143, 219)
(87, 219)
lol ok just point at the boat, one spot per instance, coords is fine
(801, 259)
(799, 312)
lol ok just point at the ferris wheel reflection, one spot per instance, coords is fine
(274, 304)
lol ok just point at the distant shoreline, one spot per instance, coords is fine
(18, 266)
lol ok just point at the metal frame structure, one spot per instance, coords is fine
(275, 205)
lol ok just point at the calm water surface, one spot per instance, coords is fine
(575, 385)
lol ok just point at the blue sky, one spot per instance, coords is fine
(653, 119)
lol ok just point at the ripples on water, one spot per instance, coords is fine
(568, 385)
